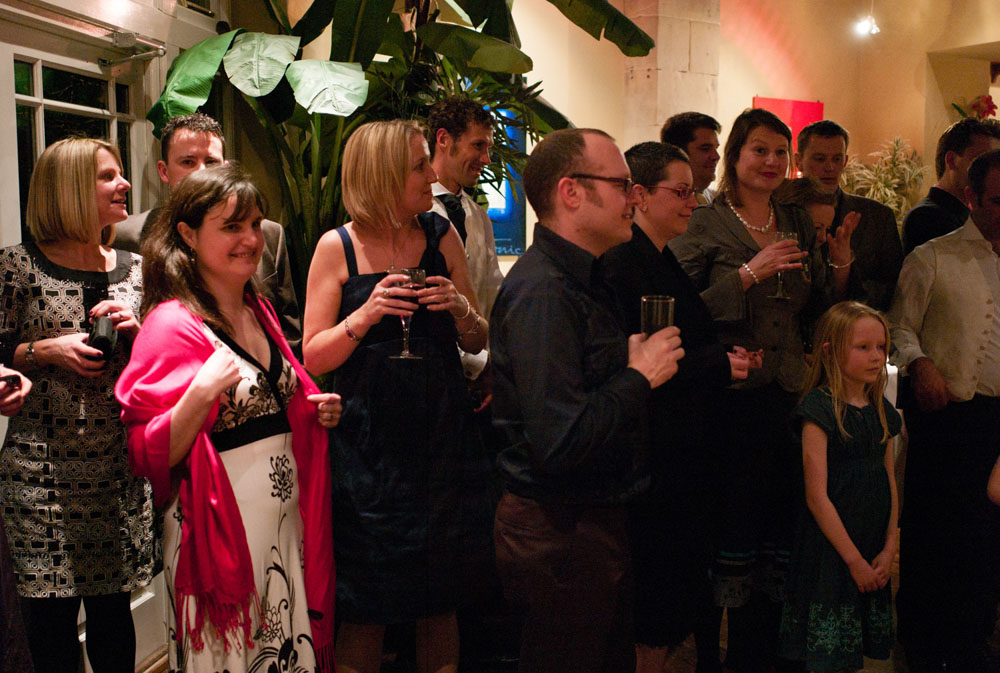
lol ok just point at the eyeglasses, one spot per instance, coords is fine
(683, 193)
(624, 184)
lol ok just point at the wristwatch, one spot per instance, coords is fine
(29, 355)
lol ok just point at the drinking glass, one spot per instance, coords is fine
(783, 236)
(417, 279)
(656, 311)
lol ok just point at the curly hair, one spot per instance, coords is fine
(455, 114)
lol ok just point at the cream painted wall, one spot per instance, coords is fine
(879, 87)
(582, 77)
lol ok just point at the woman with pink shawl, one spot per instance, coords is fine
(229, 429)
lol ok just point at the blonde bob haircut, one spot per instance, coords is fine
(62, 195)
(376, 164)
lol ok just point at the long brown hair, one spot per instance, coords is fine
(832, 339)
(169, 265)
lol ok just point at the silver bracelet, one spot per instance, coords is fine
(752, 274)
(468, 308)
(471, 330)
(841, 266)
(350, 333)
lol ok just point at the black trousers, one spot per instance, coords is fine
(568, 569)
(949, 540)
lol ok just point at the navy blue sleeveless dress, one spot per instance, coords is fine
(411, 480)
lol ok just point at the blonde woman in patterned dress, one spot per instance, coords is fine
(78, 523)
(230, 431)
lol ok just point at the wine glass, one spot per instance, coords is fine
(416, 281)
(783, 236)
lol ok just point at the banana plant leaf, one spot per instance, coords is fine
(257, 61)
(396, 42)
(189, 80)
(595, 16)
(328, 87)
(493, 17)
(314, 21)
(452, 12)
(476, 49)
(357, 30)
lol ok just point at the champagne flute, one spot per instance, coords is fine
(417, 280)
(783, 236)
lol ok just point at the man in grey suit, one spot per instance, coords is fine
(878, 254)
(190, 143)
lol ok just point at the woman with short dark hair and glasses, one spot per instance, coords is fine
(760, 272)
(669, 528)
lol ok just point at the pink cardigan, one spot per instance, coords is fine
(214, 560)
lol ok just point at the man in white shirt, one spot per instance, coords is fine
(946, 314)
(460, 135)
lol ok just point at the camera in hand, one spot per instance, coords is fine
(103, 336)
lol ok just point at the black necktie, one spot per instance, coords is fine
(456, 213)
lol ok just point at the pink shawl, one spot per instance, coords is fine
(214, 560)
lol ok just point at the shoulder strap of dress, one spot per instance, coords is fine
(352, 261)
(435, 227)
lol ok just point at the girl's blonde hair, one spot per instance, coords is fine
(832, 341)
(62, 194)
(376, 164)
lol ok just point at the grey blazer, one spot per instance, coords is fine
(712, 251)
(273, 271)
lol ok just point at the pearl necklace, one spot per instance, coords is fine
(759, 230)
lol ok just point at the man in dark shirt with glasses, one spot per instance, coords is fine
(570, 393)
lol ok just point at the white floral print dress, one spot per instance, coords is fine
(254, 440)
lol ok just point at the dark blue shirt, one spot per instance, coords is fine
(573, 413)
(936, 214)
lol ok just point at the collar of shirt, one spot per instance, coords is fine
(576, 262)
(970, 232)
(438, 188)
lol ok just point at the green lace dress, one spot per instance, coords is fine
(826, 622)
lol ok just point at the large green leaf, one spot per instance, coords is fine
(328, 87)
(357, 30)
(257, 61)
(189, 79)
(595, 16)
(396, 42)
(314, 21)
(494, 18)
(476, 49)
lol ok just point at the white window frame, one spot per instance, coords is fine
(10, 224)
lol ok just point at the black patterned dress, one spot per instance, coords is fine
(79, 523)
(254, 440)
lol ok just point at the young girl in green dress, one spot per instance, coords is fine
(838, 602)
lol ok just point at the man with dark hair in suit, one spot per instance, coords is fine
(698, 135)
(878, 255)
(944, 209)
(190, 143)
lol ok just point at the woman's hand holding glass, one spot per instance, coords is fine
(328, 408)
(121, 315)
(441, 295)
(12, 395)
(70, 352)
(778, 256)
(389, 297)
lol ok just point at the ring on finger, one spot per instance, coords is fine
(385, 292)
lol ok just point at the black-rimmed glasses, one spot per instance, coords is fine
(624, 184)
(684, 192)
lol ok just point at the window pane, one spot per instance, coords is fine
(121, 99)
(22, 78)
(70, 87)
(25, 156)
(62, 124)
(124, 148)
